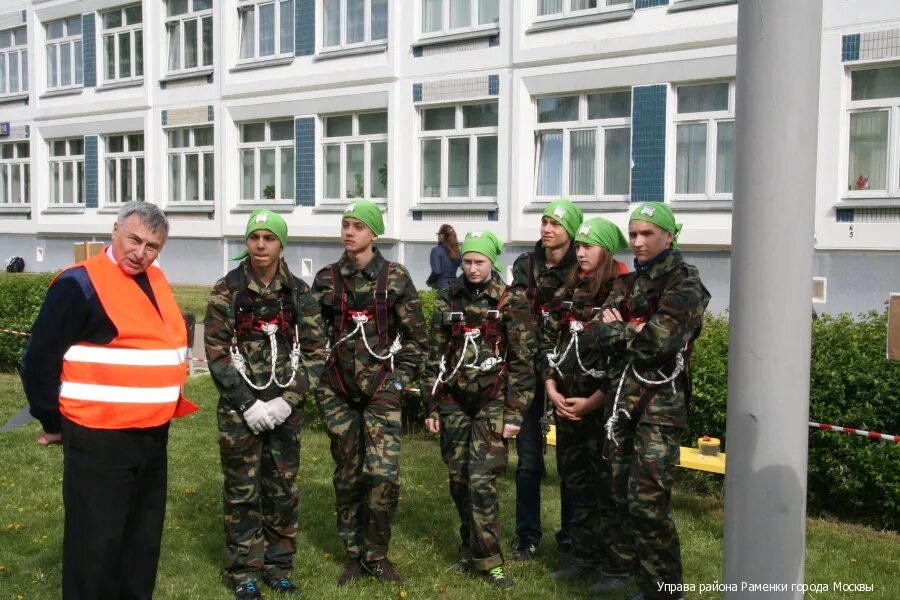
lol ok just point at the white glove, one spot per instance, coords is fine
(279, 410)
(258, 418)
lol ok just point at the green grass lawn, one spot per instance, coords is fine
(192, 298)
(424, 535)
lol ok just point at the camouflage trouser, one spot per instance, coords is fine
(595, 525)
(365, 446)
(642, 471)
(475, 452)
(259, 496)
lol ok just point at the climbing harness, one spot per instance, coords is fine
(469, 337)
(360, 318)
(240, 363)
(556, 358)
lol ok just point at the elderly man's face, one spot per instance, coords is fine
(134, 246)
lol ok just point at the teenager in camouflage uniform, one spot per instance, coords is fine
(540, 274)
(377, 343)
(573, 372)
(265, 346)
(479, 377)
(650, 321)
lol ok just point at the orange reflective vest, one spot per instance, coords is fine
(137, 379)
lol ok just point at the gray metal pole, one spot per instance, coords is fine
(778, 49)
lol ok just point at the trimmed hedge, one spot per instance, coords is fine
(21, 296)
(852, 383)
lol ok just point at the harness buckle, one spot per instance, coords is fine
(596, 309)
(456, 316)
(566, 305)
(493, 314)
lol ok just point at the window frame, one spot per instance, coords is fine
(268, 144)
(583, 123)
(23, 165)
(20, 54)
(446, 29)
(132, 29)
(76, 58)
(127, 155)
(603, 6)
(342, 142)
(457, 132)
(245, 6)
(892, 107)
(711, 119)
(182, 153)
(197, 17)
(57, 189)
(367, 28)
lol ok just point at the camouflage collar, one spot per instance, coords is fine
(670, 262)
(568, 260)
(282, 275)
(370, 271)
(493, 289)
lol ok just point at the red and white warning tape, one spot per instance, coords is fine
(861, 432)
(14, 332)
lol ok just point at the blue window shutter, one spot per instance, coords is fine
(305, 161)
(648, 143)
(304, 27)
(90, 171)
(89, 48)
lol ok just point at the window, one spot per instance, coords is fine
(64, 66)
(13, 61)
(704, 141)
(189, 29)
(124, 167)
(190, 164)
(448, 16)
(873, 165)
(583, 146)
(15, 177)
(267, 29)
(67, 171)
(267, 160)
(576, 8)
(355, 156)
(123, 43)
(459, 151)
(353, 22)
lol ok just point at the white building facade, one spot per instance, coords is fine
(470, 112)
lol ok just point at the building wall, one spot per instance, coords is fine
(648, 47)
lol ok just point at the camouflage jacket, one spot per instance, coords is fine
(669, 298)
(543, 282)
(463, 304)
(580, 304)
(350, 361)
(262, 303)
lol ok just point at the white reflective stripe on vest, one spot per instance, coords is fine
(115, 393)
(126, 356)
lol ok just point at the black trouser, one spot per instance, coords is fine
(114, 492)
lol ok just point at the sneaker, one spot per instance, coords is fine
(572, 572)
(605, 584)
(524, 549)
(247, 591)
(463, 562)
(282, 585)
(382, 570)
(353, 571)
(564, 550)
(498, 578)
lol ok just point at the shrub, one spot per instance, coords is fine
(21, 296)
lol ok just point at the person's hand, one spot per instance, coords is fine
(279, 410)
(257, 417)
(556, 398)
(564, 411)
(510, 431)
(610, 315)
(433, 425)
(48, 439)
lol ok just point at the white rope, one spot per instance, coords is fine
(240, 363)
(487, 364)
(361, 319)
(618, 410)
(555, 360)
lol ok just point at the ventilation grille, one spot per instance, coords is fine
(461, 46)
